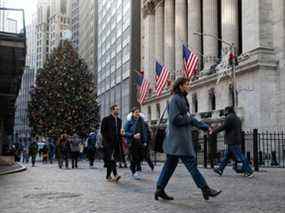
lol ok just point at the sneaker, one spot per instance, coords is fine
(109, 179)
(137, 176)
(218, 171)
(249, 175)
(117, 178)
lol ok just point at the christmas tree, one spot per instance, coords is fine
(63, 99)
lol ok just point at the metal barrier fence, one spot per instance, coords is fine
(262, 149)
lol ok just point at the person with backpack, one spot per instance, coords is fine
(137, 136)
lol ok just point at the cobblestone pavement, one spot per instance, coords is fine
(47, 189)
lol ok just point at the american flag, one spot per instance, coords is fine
(162, 75)
(143, 87)
(190, 62)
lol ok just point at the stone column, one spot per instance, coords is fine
(194, 25)
(257, 30)
(230, 27)
(180, 31)
(159, 35)
(210, 25)
(149, 31)
(169, 48)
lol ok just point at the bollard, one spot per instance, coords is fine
(205, 151)
(255, 150)
(243, 142)
(248, 157)
(274, 159)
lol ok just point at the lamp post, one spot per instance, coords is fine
(232, 50)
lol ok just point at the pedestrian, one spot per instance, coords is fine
(51, 150)
(147, 157)
(232, 138)
(74, 149)
(136, 135)
(45, 153)
(66, 151)
(111, 135)
(123, 151)
(178, 142)
(60, 148)
(33, 151)
(91, 148)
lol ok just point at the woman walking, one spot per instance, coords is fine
(178, 142)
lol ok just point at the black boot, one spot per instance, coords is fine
(218, 171)
(208, 192)
(161, 193)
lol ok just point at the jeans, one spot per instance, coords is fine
(169, 168)
(236, 151)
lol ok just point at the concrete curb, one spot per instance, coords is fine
(20, 168)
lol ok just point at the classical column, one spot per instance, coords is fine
(169, 48)
(194, 25)
(210, 25)
(230, 26)
(159, 27)
(180, 31)
(257, 30)
(149, 31)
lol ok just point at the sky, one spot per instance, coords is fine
(28, 5)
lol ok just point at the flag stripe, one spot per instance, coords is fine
(190, 62)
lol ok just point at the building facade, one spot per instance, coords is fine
(256, 28)
(75, 23)
(88, 33)
(21, 128)
(3, 15)
(59, 21)
(42, 27)
(118, 54)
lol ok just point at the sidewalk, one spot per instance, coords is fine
(46, 188)
(17, 167)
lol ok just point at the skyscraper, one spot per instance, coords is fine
(88, 33)
(118, 50)
(75, 23)
(3, 3)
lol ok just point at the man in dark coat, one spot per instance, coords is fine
(232, 128)
(111, 128)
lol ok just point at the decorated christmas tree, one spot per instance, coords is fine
(63, 99)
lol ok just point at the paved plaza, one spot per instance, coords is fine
(47, 189)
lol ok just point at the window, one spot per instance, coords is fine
(212, 98)
(149, 113)
(158, 110)
(195, 103)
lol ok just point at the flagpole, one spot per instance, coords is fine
(232, 49)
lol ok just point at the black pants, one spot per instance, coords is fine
(136, 155)
(60, 162)
(110, 163)
(74, 159)
(33, 159)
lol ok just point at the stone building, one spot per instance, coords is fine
(256, 28)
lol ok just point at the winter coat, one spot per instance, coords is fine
(109, 131)
(178, 140)
(232, 127)
(74, 143)
(132, 128)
